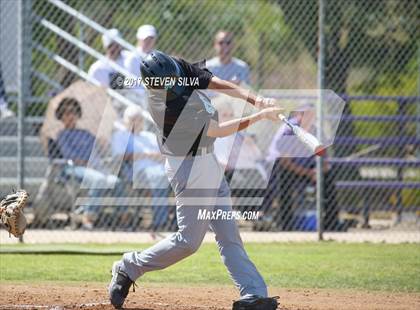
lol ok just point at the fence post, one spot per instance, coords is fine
(23, 83)
(261, 59)
(319, 159)
(418, 94)
(81, 37)
(401, 112)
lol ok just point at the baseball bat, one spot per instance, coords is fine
(305, 137)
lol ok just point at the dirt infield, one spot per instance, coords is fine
(154, 297)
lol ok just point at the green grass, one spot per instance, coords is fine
(296, 265)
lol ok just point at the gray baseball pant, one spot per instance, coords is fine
(199, 183)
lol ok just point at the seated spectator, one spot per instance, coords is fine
(4, 110)
(101, 70)
(146, 41)
(224, 65)
(290, 177)
(77, 145)
(143, 162)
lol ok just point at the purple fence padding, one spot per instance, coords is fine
(376, 118)
(390, 141)
(376, 161)
(401, 99)
(377, 184)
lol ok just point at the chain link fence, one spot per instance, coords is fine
(371, 59)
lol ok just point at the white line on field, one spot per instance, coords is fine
(22, 306)
(189, 306)
(93, 304)
(81, 306)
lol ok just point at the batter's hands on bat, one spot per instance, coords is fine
(272, 113)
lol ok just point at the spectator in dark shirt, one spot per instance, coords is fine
(291, 175)
(77, 145)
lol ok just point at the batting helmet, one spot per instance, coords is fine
(160, 65)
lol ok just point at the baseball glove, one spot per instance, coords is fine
(11, 212)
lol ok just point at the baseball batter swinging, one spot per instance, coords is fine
(187, 126)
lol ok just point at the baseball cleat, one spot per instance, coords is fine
(259, 303)
(119, 286)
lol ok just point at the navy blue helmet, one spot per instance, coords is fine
(160, 65)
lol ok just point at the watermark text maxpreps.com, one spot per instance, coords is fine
(204, 214)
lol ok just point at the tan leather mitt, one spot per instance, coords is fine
(11, 212)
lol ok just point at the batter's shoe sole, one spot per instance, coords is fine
(263, 303)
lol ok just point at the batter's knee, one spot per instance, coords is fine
(230, 239)
(189, 247)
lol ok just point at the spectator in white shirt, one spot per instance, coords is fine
(146, 41)
(102, 70)
(224, 65)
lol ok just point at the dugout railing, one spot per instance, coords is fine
(368, 188)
